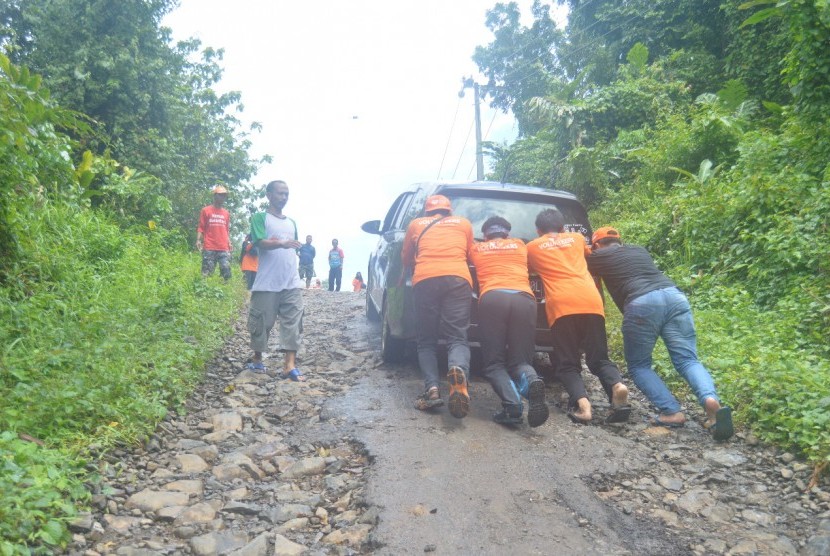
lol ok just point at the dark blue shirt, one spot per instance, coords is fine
(307, 254)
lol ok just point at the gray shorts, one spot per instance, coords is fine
(307, 271)
(266, 308)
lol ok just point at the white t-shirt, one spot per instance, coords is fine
(277, 270)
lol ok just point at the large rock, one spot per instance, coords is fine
(353, 536)
(285, 547)
(695, 500)
(152, 500)
(213, 544)
(305, 468)
(197, 513)
(285, 512)
(188, 486)
(257, 547)
(191, 463)
(227, 422)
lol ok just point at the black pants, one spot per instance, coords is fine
(507, 330)
(573, 334)
(443, 306)
(335, 273)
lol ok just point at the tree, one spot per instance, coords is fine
(520, 63)
(154, 103)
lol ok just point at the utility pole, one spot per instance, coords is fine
(466, 83)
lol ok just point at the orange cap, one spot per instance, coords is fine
(217, 190)
(604, 232)
(437, 202)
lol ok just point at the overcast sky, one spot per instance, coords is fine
(356, 98)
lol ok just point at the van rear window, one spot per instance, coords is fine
(520, 214)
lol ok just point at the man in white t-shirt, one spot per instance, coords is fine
(277, 290)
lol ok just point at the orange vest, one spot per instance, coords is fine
(559, 260)
(441, 251)
(249, 262)
(501, 264)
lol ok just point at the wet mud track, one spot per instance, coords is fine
(344, 464)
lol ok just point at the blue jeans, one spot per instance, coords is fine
(666, 314)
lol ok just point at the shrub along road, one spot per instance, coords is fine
(344, 464)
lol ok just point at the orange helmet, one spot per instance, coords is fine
(437, 202)
(604, 232)
(220, 190)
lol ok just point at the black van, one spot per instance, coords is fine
(389, 294)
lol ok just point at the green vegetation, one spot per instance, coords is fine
(709, 148)
(105, 321)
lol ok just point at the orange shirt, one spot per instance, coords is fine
(441, 251)
(559, 259)
(249, 262)
(357, 285)
(215, 225)
(501, 264)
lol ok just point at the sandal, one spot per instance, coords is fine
(722, 429)
(429, 399)
(294, 375)
(257, 366)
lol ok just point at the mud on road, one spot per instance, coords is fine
(344, 464)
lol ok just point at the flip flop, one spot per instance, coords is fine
(723, 429)
(257, 366)
(656, 421)
(619, 414)
(294, 375)
(572, 416)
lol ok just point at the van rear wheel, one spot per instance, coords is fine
(371, 313)
(391, 349)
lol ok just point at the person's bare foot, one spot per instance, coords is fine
(582, 412)
(619, 395)
(671, 419)
(711, 406)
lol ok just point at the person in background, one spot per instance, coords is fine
(357, 283)
(576, 316)
(437, 246)
(336, 258)
(249, 261)
(653, 307)
(307, 253)
(213, 235)
(277, 290)
(317, 285)
(507, 323)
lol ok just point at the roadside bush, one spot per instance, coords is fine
(103, 330)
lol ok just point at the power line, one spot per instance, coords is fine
(452, 127)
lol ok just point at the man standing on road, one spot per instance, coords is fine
(507, 323)
(277, 290)
(438, 246)
(335, 266)
(213, 235)
(653, 307)
(576, 317)
(307, 254)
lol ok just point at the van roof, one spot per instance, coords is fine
(448, 187)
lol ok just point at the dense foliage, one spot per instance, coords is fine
(152, 104)
(699, 129)
(105, 321)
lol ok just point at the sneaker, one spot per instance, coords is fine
(459, 398)
(537, 411)
(429, 399)
(509, 416)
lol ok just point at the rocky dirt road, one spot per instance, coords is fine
(343, 464)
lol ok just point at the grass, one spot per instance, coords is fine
(104, 331)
